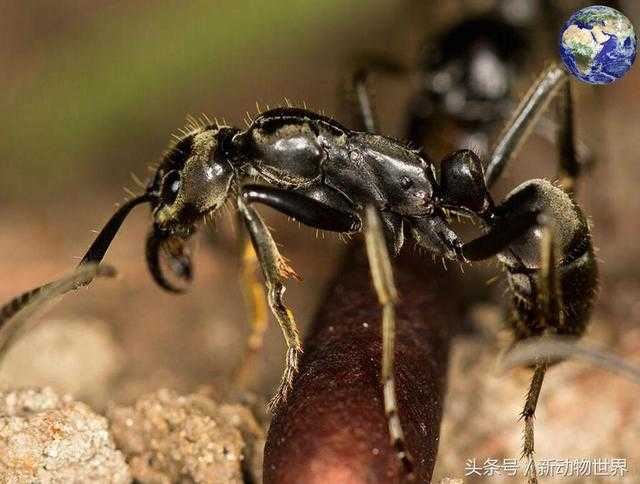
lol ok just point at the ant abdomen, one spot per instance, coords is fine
(574, 262)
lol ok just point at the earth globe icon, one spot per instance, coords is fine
(598, 44)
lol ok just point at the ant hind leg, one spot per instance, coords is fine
(528, 414)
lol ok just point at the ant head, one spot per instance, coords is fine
(193, 180)
(468, 72)
(191, 183)
(462, 184)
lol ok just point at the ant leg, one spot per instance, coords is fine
(528, 415)
(549, 292)
(276, 271)
(382, 275)
(525, 117)
(275, 268)
(368, 118)
(16, 313)
(499, 237)
(434, 234)
(256, 309)
(569, 166)
(321, 207)
(370, 64)
(420, 120)
(551, 131)
(549, 306)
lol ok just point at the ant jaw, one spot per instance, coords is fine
(182, 222)
(171, 246)
(434, 234)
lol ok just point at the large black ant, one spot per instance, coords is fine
(329, 177)
(468, 73)
(467, 77)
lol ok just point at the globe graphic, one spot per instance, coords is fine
(598, 45)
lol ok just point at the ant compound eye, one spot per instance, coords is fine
(171, 186)
(406, 183)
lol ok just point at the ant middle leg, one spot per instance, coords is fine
(358, 87)
(517, 130)
(382, 276)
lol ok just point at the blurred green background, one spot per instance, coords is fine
(92, 90)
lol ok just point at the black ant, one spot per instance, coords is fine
(468, 73)
(329, 177)
(467, 77)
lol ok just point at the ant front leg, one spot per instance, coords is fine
(304, 209)
(328, 210)
(382, 275)
(276, 271)
(319, 207)
(553, 80)
(256, 308)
